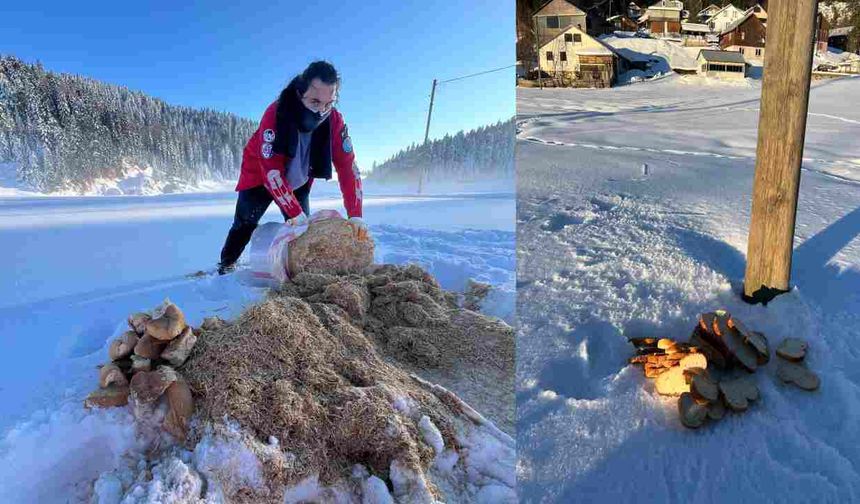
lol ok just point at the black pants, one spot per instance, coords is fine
(250, 207)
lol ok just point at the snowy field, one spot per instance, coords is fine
(632, 218)
(75, 267)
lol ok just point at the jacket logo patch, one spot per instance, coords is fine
(269, 135)
(345, 141)
(267, 150)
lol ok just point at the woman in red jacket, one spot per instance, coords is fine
(300, 137)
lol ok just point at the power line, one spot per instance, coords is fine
(476, 74)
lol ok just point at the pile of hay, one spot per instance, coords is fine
(312, 366)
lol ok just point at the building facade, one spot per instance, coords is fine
(746, 36)
(721, 64)
(576, 59)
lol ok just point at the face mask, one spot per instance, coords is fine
(309, 120)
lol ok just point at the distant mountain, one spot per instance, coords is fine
(482, 154)
(65, 132)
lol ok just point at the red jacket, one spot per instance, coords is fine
(261, 165)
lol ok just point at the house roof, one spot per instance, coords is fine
(605, 50)
(727, 7)
(575, 11)
(836, 32)
(722, 56)
(734, 24)
(695, 27)
(708, 8)
(668, 4)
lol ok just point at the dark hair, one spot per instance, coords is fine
(322, 70)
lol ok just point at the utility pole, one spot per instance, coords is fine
(779, 153)
(430, 111)
(537, 52)
(427, 134)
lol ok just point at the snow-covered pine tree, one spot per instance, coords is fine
(480, 154)
(63, 131)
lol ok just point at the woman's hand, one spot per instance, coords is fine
(298, 220)
(359, 228)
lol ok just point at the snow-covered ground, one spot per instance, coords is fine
(76, 267)
(633, 213)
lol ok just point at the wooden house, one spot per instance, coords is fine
(664, 18)
(721, 64)
(695, 33)
(746, 36)
(838, 37)
(724, 17)
(623, 23)
(822, 33)
(850, 65)
(759, 12)
(556, 16)
(576, 59)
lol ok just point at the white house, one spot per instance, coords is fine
(721, 64)
(720, 20)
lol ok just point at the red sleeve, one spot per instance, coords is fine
(272, 164)
(343, 158)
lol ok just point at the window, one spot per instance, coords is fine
(562, 56)
(758, 52)
(577, 38)
(743, 35)
(549, 56)
(741, 50)
(552, 22)
(568, 37)
(564, 21)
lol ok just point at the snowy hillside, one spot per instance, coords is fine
(83, 264)
(475, 157)
(633, 214)
(75, 135)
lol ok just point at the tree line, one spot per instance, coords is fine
(481, 154)
(63, 131)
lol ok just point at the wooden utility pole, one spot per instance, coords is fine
(537, 52)
(781, 129)
(427, 134)
(430, 111)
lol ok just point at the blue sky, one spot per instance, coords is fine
(234, 58)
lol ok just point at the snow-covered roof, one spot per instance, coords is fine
(736, 23)
(574, 10)
(708, 8)
(668, 4)
(695, 27)
(722, 56)
(727, 7)
(840, 32)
